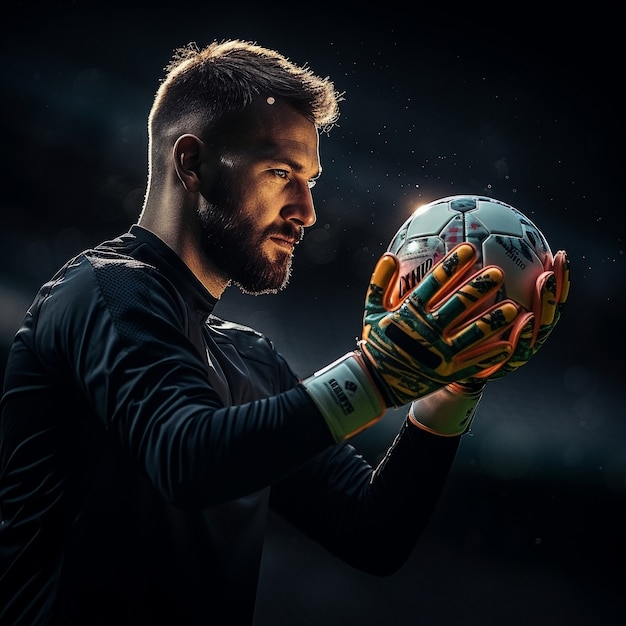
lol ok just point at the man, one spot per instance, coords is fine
(144, 438)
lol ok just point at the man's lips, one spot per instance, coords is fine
(285, 242)
(287, 239)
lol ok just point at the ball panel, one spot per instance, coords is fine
(417, 257)
(536, 239)
(430, 219)
(453, 232)
(476, 232)
(521, 266)
(499, 218)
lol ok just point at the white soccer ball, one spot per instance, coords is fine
(503, 236)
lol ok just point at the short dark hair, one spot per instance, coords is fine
(210, 83)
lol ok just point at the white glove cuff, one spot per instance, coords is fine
(346, 395)
(448, 412)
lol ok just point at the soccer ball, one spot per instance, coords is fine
(503, 236)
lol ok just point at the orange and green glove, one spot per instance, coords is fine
(450, 410)
(532, 329)
(442, 332)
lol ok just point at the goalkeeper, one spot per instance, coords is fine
(143, 439)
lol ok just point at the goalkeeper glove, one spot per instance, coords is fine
(449, 411)
(532, 329)
(441, 332)
(436, 335)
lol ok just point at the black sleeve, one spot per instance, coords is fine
(119, 335)
(369, 518)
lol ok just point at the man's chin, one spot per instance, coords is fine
(271, 281)
(253, 290)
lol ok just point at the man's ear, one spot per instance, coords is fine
(188, 151)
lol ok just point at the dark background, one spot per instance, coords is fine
(515, 104)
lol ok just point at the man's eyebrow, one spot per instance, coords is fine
(274, 152)
(293, 164)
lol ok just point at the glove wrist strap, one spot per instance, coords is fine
(346, 395)
(449, 411)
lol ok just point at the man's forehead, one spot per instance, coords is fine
(270, 125)
(266, 116)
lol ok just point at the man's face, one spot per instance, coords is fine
(257, 207)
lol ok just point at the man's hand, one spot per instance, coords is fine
(532, 329)
(441, 332)
(450, 410)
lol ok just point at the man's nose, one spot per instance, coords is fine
(301, 209)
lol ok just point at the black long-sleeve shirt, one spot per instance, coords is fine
(143, 440)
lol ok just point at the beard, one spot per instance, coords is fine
(232, 243)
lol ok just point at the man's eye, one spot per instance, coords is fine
(284, 174)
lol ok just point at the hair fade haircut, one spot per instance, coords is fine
(210, 83)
